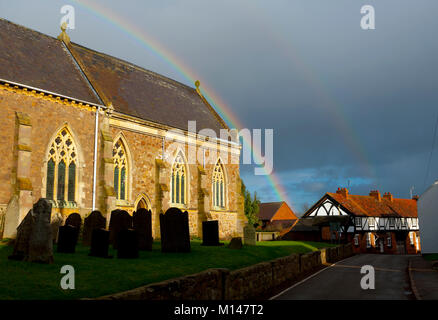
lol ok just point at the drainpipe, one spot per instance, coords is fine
(95, 158)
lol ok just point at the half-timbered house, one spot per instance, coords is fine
(373, 223)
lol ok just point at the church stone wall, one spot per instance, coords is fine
(48, 115)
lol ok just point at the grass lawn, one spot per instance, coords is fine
(97, 277)
(431, 256)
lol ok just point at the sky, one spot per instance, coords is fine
(349, 107)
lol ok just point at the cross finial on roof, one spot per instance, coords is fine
(63, 36)
(197, 85)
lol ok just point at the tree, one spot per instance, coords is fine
(251, 206)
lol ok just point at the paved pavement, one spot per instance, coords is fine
(424, 279)
(342, 280)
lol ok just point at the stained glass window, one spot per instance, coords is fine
(178, 187)
(218, 186)
(120, 170)
(61, 167)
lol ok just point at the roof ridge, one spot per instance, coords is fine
(29, 29)
(132, 65)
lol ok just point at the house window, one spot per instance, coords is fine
(403, 223)
(371, 223)
(62, 160)
(414, 223)
(369, 240)
(389, 240)
(392, 222)
(178, 182)
(356, 239)
(218, 186)
(120, 170)
(358, 222)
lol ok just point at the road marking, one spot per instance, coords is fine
(309, 277)
(358, 267)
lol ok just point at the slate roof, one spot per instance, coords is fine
(40, 61)
(369, 206)
(34, 59)
(146, 94)
(268, 209)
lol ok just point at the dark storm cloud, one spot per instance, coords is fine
(347, 106)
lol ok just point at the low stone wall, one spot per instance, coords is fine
(206, 285)
(246, 283)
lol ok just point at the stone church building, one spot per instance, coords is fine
(90, 131)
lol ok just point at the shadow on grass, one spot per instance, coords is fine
(96, 277)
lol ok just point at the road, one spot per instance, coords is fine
(342, 280)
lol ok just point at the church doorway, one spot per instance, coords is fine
(142, 202)
(141, 205)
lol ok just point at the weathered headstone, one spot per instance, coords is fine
(249, 235)
(120, 220)
(142, 224)
(67, 239)
(57, 221)
(174, 230)
(34, 241)
(127, 244)
(210, 233)
(94, 221)
(21, 246)
(99, 243)
(235, 243)
(74, 220)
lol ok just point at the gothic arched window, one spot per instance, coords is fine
(179, 183)
(120, 170)
(61, 168)
(218, 186)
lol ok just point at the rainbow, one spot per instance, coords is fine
(148, 42)
(339, 117)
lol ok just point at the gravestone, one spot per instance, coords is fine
(210, 233)
(235, 243)
(142, 224)
(74, 220)
(249, 235)
(174, 229)
(94, 221)
(57, 221)
(21, 246)
(99, 243)
(67, 239)
(34, 241)
(120, 220)
(127, 244)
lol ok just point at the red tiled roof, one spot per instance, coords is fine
(278, 210)
(370, 206)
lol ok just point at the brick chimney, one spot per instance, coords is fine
(376, 195)
(342, 191)
(388, 196)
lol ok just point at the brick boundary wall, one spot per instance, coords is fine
(247, 283)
